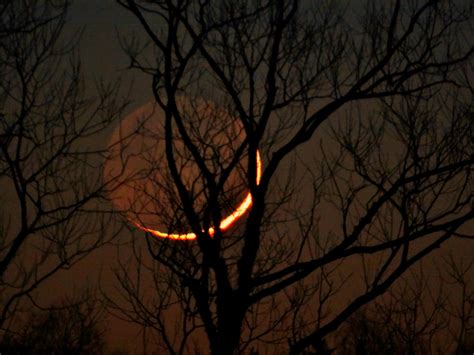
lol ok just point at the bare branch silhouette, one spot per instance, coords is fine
(363, 119)
(50, 157)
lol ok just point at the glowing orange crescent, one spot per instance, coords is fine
(225, 223)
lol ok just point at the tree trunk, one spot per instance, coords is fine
(229, 328)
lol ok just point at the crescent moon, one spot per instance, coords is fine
(122, 194)
(225, 224)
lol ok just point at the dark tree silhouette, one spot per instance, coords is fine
(364, 121)
(50, 182)
(417, 316)
(68, 327)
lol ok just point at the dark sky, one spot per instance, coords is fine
(102, 57)
(97, 12)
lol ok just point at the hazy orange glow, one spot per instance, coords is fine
(140, 186)
(225, 224)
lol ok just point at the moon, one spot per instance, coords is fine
(136, 169)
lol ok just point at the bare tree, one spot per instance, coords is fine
(420, 315)
(71, 326)
(364, 120)
(51, 187)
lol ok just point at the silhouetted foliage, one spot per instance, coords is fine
(416, 317)
(68, 328)
(51, 186)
